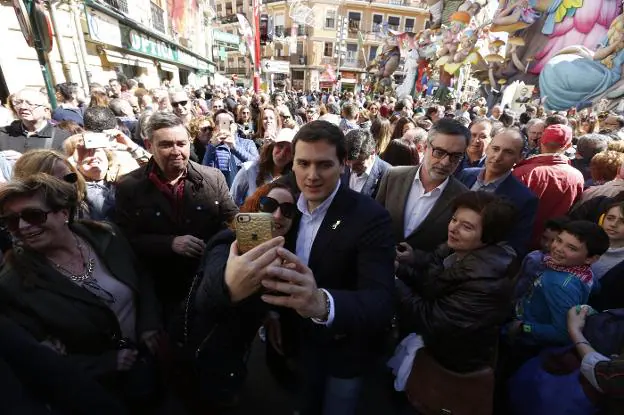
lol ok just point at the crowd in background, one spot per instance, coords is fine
(120, 276)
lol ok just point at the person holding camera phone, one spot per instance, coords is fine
(227, 151)
(223, 310)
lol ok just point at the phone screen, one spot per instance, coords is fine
(95, 140)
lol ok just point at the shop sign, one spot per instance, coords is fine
(103, 28)
(225, 37)
(142, 43)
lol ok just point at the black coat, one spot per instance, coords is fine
(147, 218)
(458, 309)
(33, 377)
(352, 257)
(49, 305)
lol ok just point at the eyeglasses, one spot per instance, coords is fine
(440, 153)
(205, 129)
(33, 216)
(177, 104)
(285, 116)
(17, 102)
(270, 205)
(70, 178)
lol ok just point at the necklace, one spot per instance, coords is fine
(88, 266)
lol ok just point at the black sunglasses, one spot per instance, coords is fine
(270, 205)
(177, 104)
(33, 216)
(70, 178)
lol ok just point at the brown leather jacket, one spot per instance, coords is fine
(147, 218)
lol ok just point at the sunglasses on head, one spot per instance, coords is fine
(270, 205)
(33, 216)
(177, 104)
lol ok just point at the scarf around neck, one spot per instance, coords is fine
(582, 272)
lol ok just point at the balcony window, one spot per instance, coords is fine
(330, 19)
(409, 25)
(301, 30)
(279, 31)
(354, 21)
(377, 23)
(372, 53)
(329, 49)
(121, 5)
(158, 18)
(394, 22)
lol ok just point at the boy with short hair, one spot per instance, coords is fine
(533, 264)
(565, 282)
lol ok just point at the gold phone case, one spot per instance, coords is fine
(252, 229)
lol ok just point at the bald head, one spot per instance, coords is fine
(503, 152)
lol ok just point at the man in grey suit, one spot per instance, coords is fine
(419, 197)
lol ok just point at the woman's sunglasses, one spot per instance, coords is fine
(33, 216)
(176, 104)
(270, 205)
(70, 178)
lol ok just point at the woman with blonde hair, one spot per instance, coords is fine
(99, 98)
(381, 129)
(269, 123)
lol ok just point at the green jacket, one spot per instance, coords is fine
(49, 305)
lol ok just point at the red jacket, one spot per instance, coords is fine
(555, 182)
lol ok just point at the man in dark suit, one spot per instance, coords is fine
(364, 169)
(341, 280)
(502, 154)
(419, 197)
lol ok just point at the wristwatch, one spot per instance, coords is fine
(327, 307)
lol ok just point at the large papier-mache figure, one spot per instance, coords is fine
(386, 63)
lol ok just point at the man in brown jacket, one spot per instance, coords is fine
(170, 207)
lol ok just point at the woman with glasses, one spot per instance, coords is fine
(201, 129)
(246, 126)
(223, 310)
(76, 286)
(275, 160)
(57, 165)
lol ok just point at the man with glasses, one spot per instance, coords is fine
(32, 129)
(181, 104)
(419, 197)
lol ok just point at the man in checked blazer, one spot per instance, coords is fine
(419, 197)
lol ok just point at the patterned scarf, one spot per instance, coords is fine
(582, 272)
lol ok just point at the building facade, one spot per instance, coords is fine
(311, 47)
(151, 40)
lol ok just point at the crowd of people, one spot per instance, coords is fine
(475, 252)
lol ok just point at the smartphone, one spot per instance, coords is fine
(95, 140)
(252, 229)
(224, 125)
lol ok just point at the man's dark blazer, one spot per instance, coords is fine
(521, 196)
(352, 257)
(371, 185)
(393, 194)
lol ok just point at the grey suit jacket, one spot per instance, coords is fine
(393, 194)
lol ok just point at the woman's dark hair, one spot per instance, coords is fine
(398, 127)
(556, 119)
(498, 216)
(591, 234)
(507, 118)
(266, 164)
(524, 118)
(322, 131)
(556, 224)
(401, 152)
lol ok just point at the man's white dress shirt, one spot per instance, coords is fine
(419, 203)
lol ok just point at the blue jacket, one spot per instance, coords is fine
(245, 150)
(545, 308)
(518, 194)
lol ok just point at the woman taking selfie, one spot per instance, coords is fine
(268, 125)
(76, 286)
(275, 161)
(223, 310)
